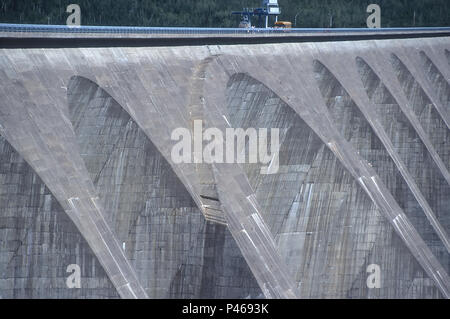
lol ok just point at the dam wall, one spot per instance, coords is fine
(87, 176)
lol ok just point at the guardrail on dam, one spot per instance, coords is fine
(56, 36)
(87, 177)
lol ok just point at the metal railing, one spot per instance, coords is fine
(36, 28)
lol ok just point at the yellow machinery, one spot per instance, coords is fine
(283, 24)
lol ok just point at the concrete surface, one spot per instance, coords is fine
(364, 171)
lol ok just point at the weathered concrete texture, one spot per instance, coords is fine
(437, 80)
(175, 251)
(355, 128)
(424, 110)
(315, 208)
(39, 241)
(312, 205)
(364, 164)
(422, 167)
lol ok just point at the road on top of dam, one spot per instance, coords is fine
(43, 36)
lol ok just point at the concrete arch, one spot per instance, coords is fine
(447, 54)
(425, 111)
(153, 85)
(298, 92)
(405, 138)
(310, 203)
(413, 63)
(36, 128)
(39, 241)
(176, 253)
(354, 126)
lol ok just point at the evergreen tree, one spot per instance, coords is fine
(217, 13)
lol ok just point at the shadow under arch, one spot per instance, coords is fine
(406, 142)
(424, 109)
(176, 253)
(438, 81)
(447, 55)
(42, 241)
(314, 208)
(355, 128)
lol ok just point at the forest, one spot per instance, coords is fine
(208, 13)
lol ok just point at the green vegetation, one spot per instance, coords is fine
(209, 13)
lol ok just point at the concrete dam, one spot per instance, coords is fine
(87, 177)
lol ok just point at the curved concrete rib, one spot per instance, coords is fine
(387, 75)
(165, 107)
(217, 106)
(304, 95)
(412, 64)
(357, 94)
(78, 203)
(146, 202)
(310, 204)
(36, 229)
(251, 233)
(351, 83)
(133, 182)
(275, 78)
(161, 116)
(367, 71)
(33, 126)
(383, 199)
(128, 74)
(438, 81)
(245, 221)
(425, 109)
(435, 51)
(239, 204)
